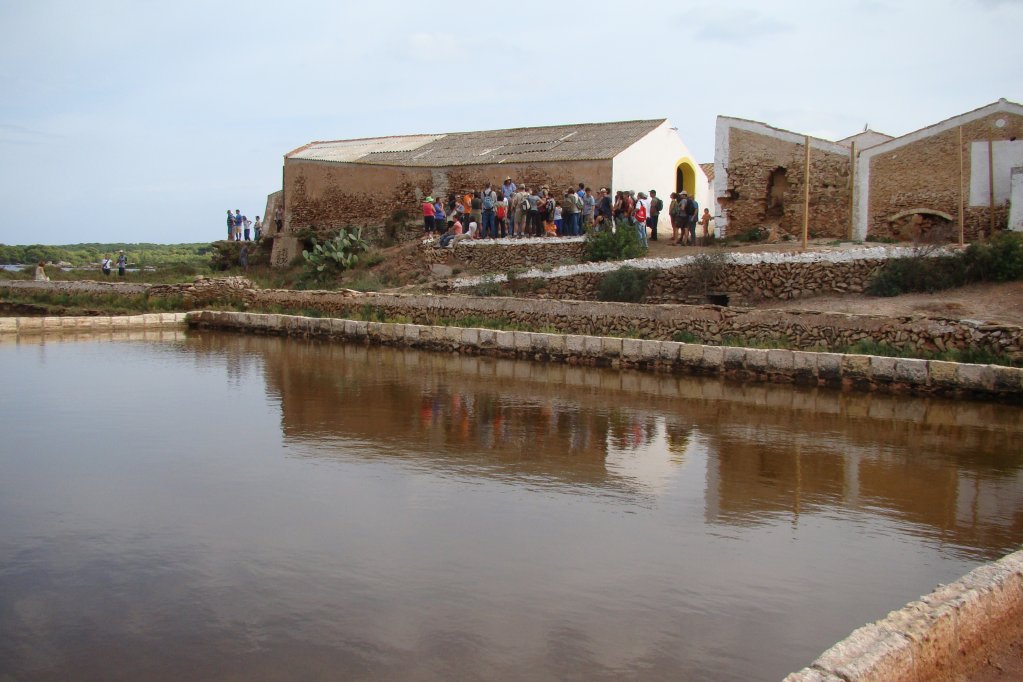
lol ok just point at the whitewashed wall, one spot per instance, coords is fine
(650, 163)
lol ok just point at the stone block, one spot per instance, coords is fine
(780, 362)
(911, 371)
(812, 675)
(829, 366)
(713, 357)
(119, 322)
(943, 374)
(51, 323)
(632, 350)
(691, 354)
(8, 325)
(855, 367)
(504, 340)
(734, 358)
(151, 319)
(394, 332)
(593, 346)
(872, 652)
(756, 359)
(412, 333)
(649, 350)
(453, 335)
(523, 341)
(556, 343)
(670, 351)
(882, 369)
(320, 326)
(975, 377)
(1008, 379)
(575, 344)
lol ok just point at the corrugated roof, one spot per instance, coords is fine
(512, 145)
(708, 170)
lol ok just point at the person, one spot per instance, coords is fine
(656, 205)
(604, 211)
(476, 211)
(572, 208)
(559, 219)
(122, 263)
(690, 211)
(520, 209)
(459, 211)
(237, 225)
(243, 256)
(257, 228)
(438, 214)
(640, 214)
(501, 213)
(230, 225)
(41, 272)
(105, 265)
(246, 222)
(686, 211)
(488, 202)
(589, 207)
(705, 221)
(279, 218)
(428, 225)
(673, 216)
(509, 188)
(534, 226)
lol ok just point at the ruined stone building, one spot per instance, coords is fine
(369, 181)
(870, 183)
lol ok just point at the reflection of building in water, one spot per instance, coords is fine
(763, 450)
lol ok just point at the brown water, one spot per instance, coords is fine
(230, 507)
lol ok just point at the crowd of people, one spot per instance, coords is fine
(516, 212)
(240, 228)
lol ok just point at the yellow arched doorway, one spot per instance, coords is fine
(685, 176)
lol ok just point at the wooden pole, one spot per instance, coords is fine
(852, 189)
(806, 193)
(962, 199)
(991, 185)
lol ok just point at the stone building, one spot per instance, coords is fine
(371, 181)
(871, 183)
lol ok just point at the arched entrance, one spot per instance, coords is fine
(685, 177)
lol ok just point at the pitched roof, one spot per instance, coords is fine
(582, 141)
(708, 170)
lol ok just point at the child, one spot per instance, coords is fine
(558, 219)
(705, 221)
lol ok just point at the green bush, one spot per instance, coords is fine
(336, 254)
(621, 244)
(488, 286)
(998, 260)
(626, 285)
(917, 273)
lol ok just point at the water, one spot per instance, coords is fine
(231, 507)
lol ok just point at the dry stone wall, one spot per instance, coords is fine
(501, 255)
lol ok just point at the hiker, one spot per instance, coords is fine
(501, 213)
(428, 225)
(640, 214)
(589, 206)
(237, 225)
(246, 222)
(257, 228)
(673, 215)
(122, 263)
(230, 225)
(604, 219)
(105, 265)
(656, 206)
(488, 202)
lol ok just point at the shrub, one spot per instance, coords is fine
(626, 285)
(917, 273)
(488, 286)
(998, 260)
(337, 254)
(621, 244)
(706, 270)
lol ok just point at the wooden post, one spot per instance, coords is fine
(852, 189)
(991, 185)
(962, 199)
(806, 193)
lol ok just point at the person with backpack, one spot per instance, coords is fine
(488, 202)
(656, 206)
(534, 224)
(640, 214)
(476, 212)
(501, 214)
(688, 222)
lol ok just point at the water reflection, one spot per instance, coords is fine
(277, 509)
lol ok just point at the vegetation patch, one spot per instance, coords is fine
(625, 285)
(621, 244)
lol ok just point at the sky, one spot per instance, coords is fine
(128, 121)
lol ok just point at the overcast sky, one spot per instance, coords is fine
(144, 121)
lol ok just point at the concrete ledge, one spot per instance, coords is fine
(85, 324)
(862, 372)
(931, 638)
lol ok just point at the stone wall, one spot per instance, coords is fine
(925, 174)
(501, 255)
(751, 364)
(756, 157)
(929, 639)
(20, 326)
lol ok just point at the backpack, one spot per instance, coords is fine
(659, 205)
(640, 214)
(690, 208)
(488, 201)
(525, 204)
(501, 210)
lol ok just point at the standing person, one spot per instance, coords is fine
(509, 189)
(122, 263)
(246, 222)
(279, 218)
(501, 211)
(571, 208)
(230, 225)
(237, 225)
(559, 219)
(705, 221)
(589, 207)
(673, 210)
(459, 212)
(534, 226)
(520, 206)
(488, 201)
(105, 265)
(476, 211)
(604, 211)
(428, 225)
(685, 211)
(257, 228)
(438, 214)
(40, 275)
(640, 214)
(691, 210)
(656, 205)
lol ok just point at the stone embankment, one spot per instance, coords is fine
(502, 255)
(933, 638)
(22, 326)
(818, 369)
